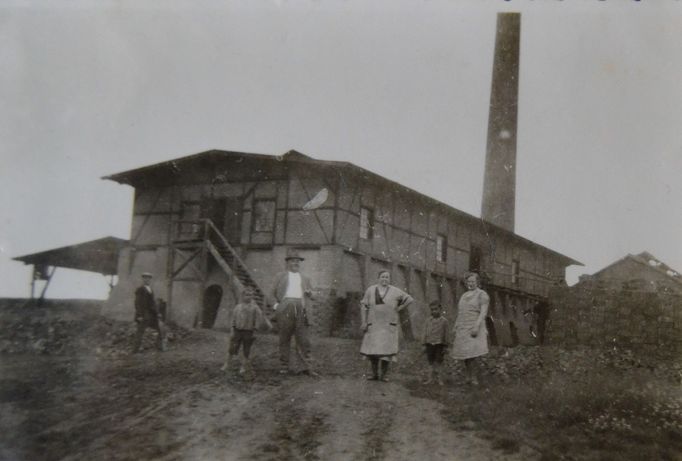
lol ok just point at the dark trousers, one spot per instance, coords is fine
(160, 339)
(241, 338)
(435, 353)
(376, 362)
(292, 321)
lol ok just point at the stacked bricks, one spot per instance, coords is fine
(590, 314)
(321, 312)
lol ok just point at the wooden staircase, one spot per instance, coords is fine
(231, 263)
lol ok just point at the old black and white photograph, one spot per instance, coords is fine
(341, 230)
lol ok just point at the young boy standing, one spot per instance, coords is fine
(246, 318)
(435, 340)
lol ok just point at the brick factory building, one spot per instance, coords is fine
(208, 224)
(212, 223)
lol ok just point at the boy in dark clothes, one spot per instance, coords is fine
(246, 318)
(435, 340)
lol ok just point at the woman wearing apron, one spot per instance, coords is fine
(471, 335)
(381, 323)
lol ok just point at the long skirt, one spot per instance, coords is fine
(466, 346)
(382, 337)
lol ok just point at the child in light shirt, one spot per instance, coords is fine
(246, 318)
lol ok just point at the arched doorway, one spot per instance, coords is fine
(212, 297)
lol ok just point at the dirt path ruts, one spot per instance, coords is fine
(178, 406)
(302, 418)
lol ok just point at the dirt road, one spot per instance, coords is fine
(178, 405)
(71, 390)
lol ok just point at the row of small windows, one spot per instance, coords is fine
(264, 216)
(475, 253)
(367, 232)
(264, 211)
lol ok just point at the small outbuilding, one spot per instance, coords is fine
(100, 256)
(634, 303)
(643, 272)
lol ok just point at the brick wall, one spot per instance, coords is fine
(591, 315)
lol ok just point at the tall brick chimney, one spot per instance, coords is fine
(499, 182)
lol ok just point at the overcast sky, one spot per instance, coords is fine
(398, 87)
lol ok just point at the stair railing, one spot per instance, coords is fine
(211, 230)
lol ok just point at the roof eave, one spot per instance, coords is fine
(125, 177)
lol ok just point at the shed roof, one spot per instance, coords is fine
(99, 256)
(648, 262)
(174, 168)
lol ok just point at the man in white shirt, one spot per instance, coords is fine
(292, 292)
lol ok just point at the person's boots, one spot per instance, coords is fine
(137, 341)
(248, 369)
(226, 365)
(473, 374)
(437, 376)
(163, 344)
(384, 371)
(375, 370)
(429, 376)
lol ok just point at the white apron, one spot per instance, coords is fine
(383, 333)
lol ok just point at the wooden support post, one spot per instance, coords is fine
(335, 219)
(286, 207)
(33, 281)
(423, 279)
(365, 270)
(47, 283)
(174, 273)
(170, 263)
(204, 274)
(169, 282)
(394, 273)
(410, 270)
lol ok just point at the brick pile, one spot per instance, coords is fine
(647, 323)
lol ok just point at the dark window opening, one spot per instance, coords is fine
(214, 209)
(264, 216)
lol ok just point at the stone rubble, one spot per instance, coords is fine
(49, 335)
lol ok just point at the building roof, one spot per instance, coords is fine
(174, 168)
(99, 256)
(648, 261)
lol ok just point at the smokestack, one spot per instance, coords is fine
(499, 182)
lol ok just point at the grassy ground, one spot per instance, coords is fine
(594, 413)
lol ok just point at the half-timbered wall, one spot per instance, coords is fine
(406, 228)
(258, 206)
